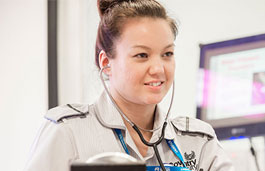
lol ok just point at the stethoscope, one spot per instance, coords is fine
(136, 128)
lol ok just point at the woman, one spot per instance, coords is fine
(135, 49)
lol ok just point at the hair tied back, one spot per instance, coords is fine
(105, 5)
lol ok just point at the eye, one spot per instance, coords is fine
(141, 55)
(168, 54)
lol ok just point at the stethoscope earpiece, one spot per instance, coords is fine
(103, 75)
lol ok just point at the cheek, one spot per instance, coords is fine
(132, 75)
(171, 70)
(121, 74)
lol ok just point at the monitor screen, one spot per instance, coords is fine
(232, 86)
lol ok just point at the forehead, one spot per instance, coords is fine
(147, 31)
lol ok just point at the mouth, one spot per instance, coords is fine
(154, 84)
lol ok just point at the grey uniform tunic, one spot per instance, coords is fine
(70, 135)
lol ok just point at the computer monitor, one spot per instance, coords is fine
(109, 161)
(232, 86)
(108, 167)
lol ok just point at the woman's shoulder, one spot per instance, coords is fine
(69, 111)
(193, 126)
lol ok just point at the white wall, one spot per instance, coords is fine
(23, 78)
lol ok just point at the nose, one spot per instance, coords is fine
(156, 66)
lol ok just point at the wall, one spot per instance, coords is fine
(23, 77)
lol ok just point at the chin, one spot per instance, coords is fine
(153, 100)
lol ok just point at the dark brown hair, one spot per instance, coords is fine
(114, 13)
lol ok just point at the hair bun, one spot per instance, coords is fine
(104, 5)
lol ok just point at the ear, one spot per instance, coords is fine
(104, 61)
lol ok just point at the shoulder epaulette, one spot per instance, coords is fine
(59, 113)
(193, 126)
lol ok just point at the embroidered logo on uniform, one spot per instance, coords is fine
(191, 161)
(189, 156)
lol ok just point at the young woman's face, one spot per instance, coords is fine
(143, 68)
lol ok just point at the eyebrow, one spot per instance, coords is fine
(146, 47)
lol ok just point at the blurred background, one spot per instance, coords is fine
(47, 59)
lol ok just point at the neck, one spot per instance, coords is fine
(141, 115)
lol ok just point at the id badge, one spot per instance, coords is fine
(168, 168)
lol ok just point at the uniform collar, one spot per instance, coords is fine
(111, 118)
(107, 113)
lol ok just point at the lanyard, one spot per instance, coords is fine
(172, 146)
(175, 150)
(119, 134)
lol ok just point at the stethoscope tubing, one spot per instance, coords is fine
(154, 144)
